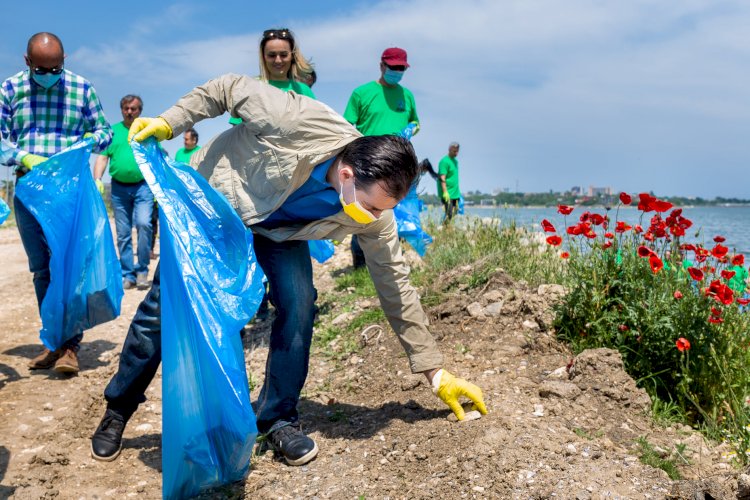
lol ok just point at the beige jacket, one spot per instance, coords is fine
(259, 163)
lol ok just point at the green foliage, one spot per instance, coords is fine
(658, 319)
(357, 282)
(649, 456)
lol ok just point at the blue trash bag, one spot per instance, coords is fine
(321, 250)
(210, 288)
(407, 211)
(408, 221)
(85, 287)
(4, 211)
(461, 205)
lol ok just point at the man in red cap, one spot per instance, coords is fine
(382, 107)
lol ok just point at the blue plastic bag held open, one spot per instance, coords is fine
(210, 287)
(85, 287)
(407, 211)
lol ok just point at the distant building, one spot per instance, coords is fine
(599, 191)
(576, 190)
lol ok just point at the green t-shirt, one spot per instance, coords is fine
(122, 165)
(183, 155)
(738, 281)
(298, 87)
(449, 168)
(379, 110)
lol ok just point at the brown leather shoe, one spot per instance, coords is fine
(45, 360)
(68, 362)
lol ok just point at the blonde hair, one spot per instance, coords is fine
(300, 67)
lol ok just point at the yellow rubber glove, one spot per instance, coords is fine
(446, 198)
(450, 388)
(87, 135)
(416, 128)
(143, 128)
(31, 160)
(100, 186)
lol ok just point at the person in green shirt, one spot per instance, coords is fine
(190, 139)
(282, 64)
(447, 186)
(132, 200)
(382, 107)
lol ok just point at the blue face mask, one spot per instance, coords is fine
(47, 80)
(392, 77)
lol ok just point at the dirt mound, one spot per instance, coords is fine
(558, 425)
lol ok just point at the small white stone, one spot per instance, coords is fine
(144, 427)
(559, 373)
(538, 411)
(468, 416)
(571, 449)
(475, 310)
(478, 489)
(530, 325)
(47, 418)
(47, 407)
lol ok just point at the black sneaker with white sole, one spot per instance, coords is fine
(293, 444)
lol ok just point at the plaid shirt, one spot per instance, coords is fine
(46, 121)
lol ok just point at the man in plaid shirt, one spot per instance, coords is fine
(44, 110)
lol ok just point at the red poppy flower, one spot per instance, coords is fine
(564, 255)
(621, 227)
(648, 236)
(727, 275)
(719, 251)
(696, 274)
(609, 235)
(738, 260)
(720, 292)
(606, 245)
(683, 344)
(719, 239)
(623, 328)
(743, 302)
(626, 199)
(687, 246)
(574, 230)
(677, 294)
(715, 320)
(661, 206)
(645, 201)
(638, 229)
(715, 311)
(644, 251)
(677, 231)
(548, 227)
(590, 234)
(596, 219)
(554, 240)
(656, 264)
(564, 209)
(700, 257)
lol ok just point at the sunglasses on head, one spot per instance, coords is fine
(281, 33)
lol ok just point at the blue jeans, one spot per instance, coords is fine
(133, 204)
(38, 253)
(288, 268)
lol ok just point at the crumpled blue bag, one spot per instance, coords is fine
(321, 250)
(408, 223)
(85, 287)
(4, 211)
(210, 288)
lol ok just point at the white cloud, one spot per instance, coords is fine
(637, 95)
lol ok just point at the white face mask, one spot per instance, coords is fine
(354, 209)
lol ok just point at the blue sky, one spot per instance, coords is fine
(637, 95)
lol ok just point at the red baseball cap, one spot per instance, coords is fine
(395, 57)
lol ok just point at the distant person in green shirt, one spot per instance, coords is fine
(282, 64)
(132, 200)
(190, 139)
(382, 107)
(447, 186)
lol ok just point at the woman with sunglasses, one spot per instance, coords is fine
(282, 64)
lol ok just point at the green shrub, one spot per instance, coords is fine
(682, 338)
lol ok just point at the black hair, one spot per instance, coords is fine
(130, 98)
(193, 133)
(426, 166)
(42, 34)
(387, 159)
